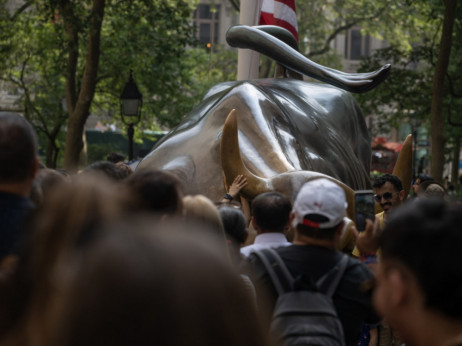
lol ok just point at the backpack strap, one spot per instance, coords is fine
(337, 271)
(283, 281)
(277, 270)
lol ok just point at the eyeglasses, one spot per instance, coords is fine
(386, 196)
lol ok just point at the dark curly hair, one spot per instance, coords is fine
(381, 180)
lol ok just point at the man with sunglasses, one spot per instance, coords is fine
(389, 194)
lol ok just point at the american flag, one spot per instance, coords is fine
(281, 13)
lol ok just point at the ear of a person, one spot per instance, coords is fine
(254, 223)
(289, 223)
(35, 168)
(401, 288)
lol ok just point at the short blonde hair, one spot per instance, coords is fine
(202, 210)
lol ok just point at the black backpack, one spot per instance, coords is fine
(301, 316)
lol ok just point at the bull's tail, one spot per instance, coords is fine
(270, 42)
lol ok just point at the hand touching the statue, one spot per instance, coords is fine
(239, 182)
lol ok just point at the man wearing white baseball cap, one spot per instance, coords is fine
(318, 213)
(320, 204)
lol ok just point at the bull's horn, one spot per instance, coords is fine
(231, 160)
(403, 165)
(242, 36)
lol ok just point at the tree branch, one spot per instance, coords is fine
(67, 12)
(331, 37)
(452, 91)
(345, 27)
(87, 89)
(236, 4)
(20, 10)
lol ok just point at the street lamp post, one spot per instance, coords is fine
(414, 147)
(131, 101)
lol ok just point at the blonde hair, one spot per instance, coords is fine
(201, 209)
(204, 214)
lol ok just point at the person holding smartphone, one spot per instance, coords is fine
(389, 193)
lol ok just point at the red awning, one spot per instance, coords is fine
(381, 143)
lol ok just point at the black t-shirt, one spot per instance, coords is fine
(309, 263)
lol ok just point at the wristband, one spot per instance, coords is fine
(368, 258)
(228, 196)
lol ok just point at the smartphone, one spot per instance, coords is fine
(364, 208)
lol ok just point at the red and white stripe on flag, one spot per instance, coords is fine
(280, 13)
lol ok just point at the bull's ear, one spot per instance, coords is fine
(403, 165)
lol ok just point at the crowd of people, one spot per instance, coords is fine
(109, 255)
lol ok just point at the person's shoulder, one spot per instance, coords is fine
(252, 266)
(356, 270)
(287, 248)
(251, 258)
(247, 250)
(254, 260)
(380, 215)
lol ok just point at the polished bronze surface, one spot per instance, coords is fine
(279, 133)
(403, 165)
(284, 125)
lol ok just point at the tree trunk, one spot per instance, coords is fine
(74, 142)
(80, 110)
(436, 117)
(52, 149)
(50, 154)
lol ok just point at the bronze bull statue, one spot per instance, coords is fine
(278, 132)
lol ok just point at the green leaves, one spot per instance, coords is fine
(151, 37)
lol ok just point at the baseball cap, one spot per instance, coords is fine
(320, 197)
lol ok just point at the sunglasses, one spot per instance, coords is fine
(386, 196)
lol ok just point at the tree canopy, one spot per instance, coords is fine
(423, 45)
(70, 59)
(420, 90)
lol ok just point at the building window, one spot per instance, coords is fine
(206, 23)
(357, 46)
